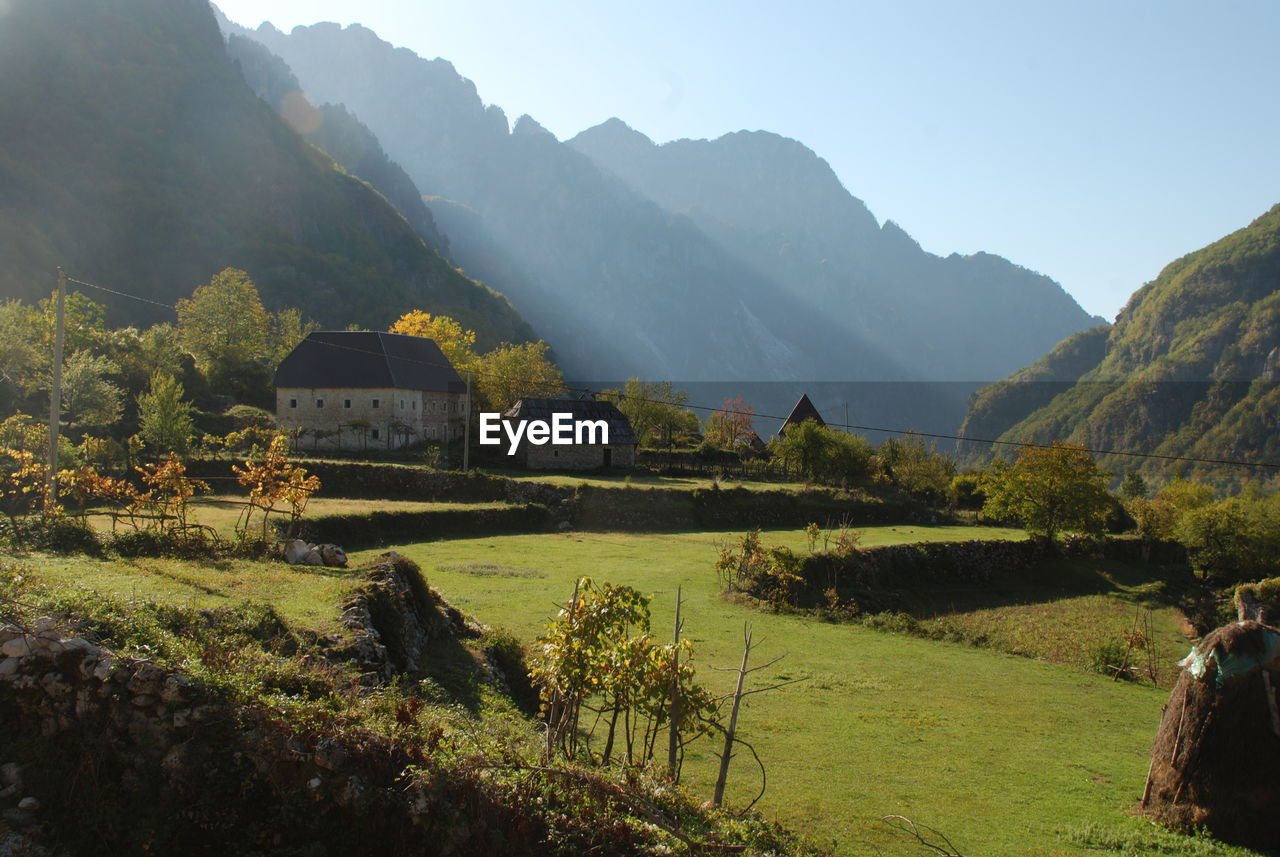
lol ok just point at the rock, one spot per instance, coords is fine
(54, 685)
(8, 792)
(9, 666)
(330, 756)
(149, 679)
(79, 644)
(8, 632)
(181, 717)
(295, 551)
(105, 667)
(29, 804)
(44, 623)
(11, 773)
(15, 817)
(176, 688)
(18, 647)
(144, 700)
(312, 558)
(313, 783)
(563, 526)
(333, 556)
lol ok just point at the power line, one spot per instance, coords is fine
(121, 294)
(754, 415)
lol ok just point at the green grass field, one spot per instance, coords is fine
(221, 511)
(1007, 755)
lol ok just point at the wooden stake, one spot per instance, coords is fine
(55, 395)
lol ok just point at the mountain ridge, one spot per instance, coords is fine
(592, 259)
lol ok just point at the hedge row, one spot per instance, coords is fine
(374, 529)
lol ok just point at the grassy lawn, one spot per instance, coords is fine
(306, 596)
(221, 511)
(1007, 755)
(638, 480)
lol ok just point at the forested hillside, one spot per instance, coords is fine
(1191, 366)
(133, 154)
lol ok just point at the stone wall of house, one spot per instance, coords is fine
(576, 456)
(401, 417)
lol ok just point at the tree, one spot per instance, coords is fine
(457, 344)
(655, 410)
(916, 466)
(89, 398)
(1133, 487)
(730, 424)
(1049, 489)
(509, 373)
(824, 454)
(166, 420)
(288, 328)
(224, 324)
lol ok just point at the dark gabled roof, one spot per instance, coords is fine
(346, 358)
(581, 409)
(804, 410)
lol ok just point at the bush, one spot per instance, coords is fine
(1109, 658)
(59, 535)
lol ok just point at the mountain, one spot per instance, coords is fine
(774, 203)
(766, 270)
(1190, 368)
(133, 154)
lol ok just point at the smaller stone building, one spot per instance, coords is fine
(619, 452)
(341, 389)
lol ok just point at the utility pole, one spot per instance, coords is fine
(55, 395)
(846, 417)
(466, 431)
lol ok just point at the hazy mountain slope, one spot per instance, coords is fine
(586, 257)
(1191, 367)
(772, 201)
(334, 130)
(133, 154)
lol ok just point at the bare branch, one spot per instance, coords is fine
(940, 844)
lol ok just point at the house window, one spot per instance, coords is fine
(402, 404)
(377, 404)
(413, 405)
(346, 403)
(293, 403)
(375, 432)
(319, 403)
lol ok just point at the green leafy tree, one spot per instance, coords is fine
(288, 328)
(166, 421)
(655, 409)
(1049, 490)
(824, 454)
(1133, 487)
(916, 467)
(224, 324)
(509, 373)
(89, 398)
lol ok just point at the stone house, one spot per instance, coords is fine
(619, 452)
(364, 390)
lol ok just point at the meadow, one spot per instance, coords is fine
(1005, 754)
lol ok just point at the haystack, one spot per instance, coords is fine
(1216, 760)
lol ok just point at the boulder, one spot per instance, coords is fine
(333, 556)
(295, 551)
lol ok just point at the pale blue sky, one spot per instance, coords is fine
(1091, 141)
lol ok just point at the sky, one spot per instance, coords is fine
(1094, 142)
